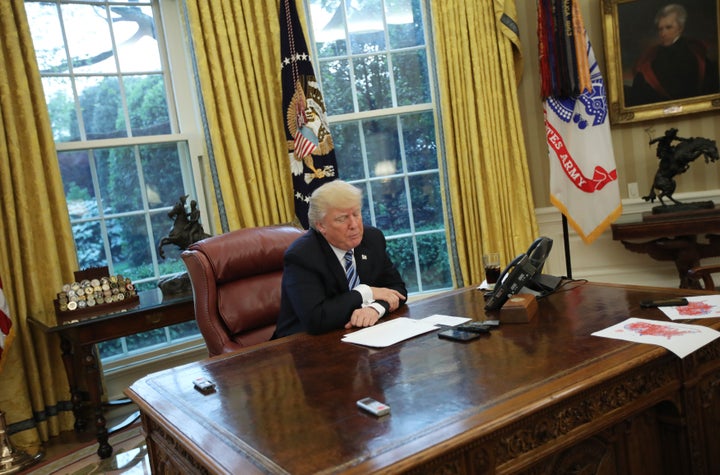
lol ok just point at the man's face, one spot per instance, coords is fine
(342, 227)
(668, 29)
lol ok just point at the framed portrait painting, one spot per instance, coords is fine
(662, 58)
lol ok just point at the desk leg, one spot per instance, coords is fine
(69, 363)
(94, 386)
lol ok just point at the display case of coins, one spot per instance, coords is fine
(94, 292)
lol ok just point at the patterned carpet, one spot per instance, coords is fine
(129, 457)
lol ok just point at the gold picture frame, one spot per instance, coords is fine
(630, 35)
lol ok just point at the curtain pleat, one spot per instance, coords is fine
(36, 245)
(478, 64)
(237, 49)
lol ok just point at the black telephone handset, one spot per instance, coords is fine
(519, 272)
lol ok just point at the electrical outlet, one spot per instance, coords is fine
(633, 190)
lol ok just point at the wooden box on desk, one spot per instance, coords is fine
(520, 308)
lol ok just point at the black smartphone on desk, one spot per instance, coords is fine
(675, 302)
(457, 335)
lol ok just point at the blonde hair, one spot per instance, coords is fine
(334, 194)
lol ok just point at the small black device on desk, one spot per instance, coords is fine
(678, 302)
(477, 327)
(457, 335)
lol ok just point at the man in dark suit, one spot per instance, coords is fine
(317, 295)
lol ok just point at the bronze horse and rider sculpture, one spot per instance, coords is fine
(674, 160)
(186, 226)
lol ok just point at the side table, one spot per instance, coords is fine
(79, 337)
(674, 237)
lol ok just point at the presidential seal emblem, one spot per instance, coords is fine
(307, 123)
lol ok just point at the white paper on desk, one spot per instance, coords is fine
(446, 320)
(388, 333)
(680, 338)
(486, 286)
(699, 306)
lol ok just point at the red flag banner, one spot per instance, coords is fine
(6, 327)
(583, 178)
(310, 147)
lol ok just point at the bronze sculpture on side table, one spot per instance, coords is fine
(185, 231)
(674, 160)
(670, 232)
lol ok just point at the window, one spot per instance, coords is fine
(124, 143)
(373, 59)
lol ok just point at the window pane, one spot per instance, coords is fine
(346, 137)
(390, 204)
(426, 202)
(337, 87)
(434, 261)
(101, 2)
(382, 146)
(183, 330)
(372, 82)
(78, 183)
(365, 25)
(118, 179)
(88, 39)
(89, 242)
(47, 37)
(130, 247)
(102, 109)
(61, 106)
(134, 29)
(405, 23)
(112, 348)
(162, 166)
(146, 339)
(402, 253)
(147, 105)
(411, 78)
(419, 141)
(328, 28)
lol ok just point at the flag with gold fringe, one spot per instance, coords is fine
(6, 328)
(310, 147)
(583, 177)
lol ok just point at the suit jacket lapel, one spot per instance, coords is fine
(361, 261)
(337, 270)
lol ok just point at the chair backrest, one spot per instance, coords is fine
(236, 279)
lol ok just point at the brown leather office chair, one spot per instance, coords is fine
(236, 284)
(703, 276)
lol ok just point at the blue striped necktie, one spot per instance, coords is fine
(352, 277)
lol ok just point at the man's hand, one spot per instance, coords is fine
(391, 296)
(363, 317)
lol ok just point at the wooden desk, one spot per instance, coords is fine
(78, 339)
(673, 237)
(540, 397)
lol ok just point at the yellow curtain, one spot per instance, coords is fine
(36, 246)
(237, 49)
(478, 63)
